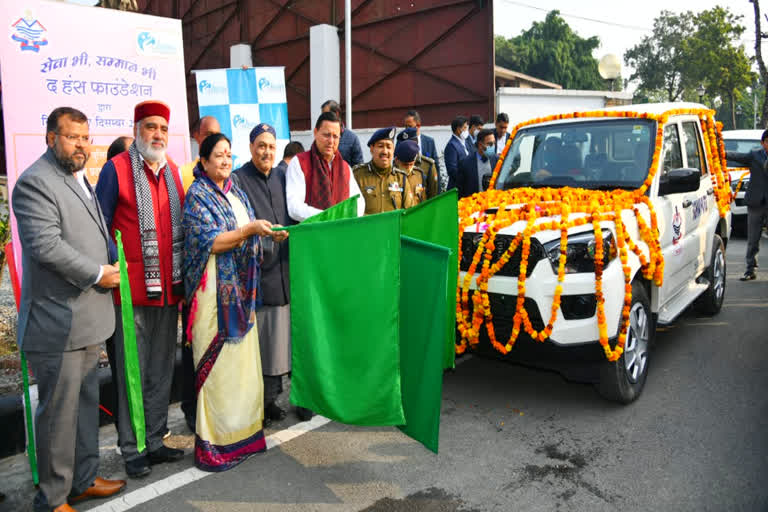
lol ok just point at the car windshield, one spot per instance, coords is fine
(740, 146)
(607, 154)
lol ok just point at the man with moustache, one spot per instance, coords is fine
(320, 178)
(384, 187)
(265, 188)
(65, 311)
(141, 195)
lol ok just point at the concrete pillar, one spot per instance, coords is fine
(240, 55)
(324, 68)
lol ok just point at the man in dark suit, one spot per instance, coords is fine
(456, 149)
(65, 310)
(291, 150)
(756, 198)
(501, 135)
(481, 162)
(426, 146)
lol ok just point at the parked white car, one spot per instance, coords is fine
(596, 152)
(741, 141)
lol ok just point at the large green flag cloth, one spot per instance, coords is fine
(132, 371)
(437, 221)
(423, 280)
(368, 316)
(346, 209)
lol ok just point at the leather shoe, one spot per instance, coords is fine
(137, 468)
(100, 488)
(64, 508)
(273, 412)
(165, 454)
(304, 414)
(749, 275)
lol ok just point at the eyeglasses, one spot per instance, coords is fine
(74, 139)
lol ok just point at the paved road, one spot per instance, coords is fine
(513, 438)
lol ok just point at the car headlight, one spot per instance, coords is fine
(580, 254)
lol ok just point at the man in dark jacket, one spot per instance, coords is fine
(291, 149)
(349, 144)
(479, 163)
(756, 198)
(456, 149)
(426, 146)
(265, 188)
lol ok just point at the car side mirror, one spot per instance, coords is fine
(678, 181)
(486, 181)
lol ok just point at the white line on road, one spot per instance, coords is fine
(168, 484)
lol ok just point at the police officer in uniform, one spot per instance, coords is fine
(384, 187)
(406, 153)
(424, 164)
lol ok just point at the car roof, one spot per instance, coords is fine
(742, 134)
(655, 109)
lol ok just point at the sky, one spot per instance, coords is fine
(619, 25)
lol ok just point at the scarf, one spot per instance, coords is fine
(149, 244)
(327, 186)
(207, 214)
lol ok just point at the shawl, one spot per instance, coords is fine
(150, 250)
(326, 185)
(207, 214)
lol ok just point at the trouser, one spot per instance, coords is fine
(110, 344)
(156, 330)
(67, 422)
(273, 386)
(755, 216)
(188, 393)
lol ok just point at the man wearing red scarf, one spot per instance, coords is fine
(320, 178)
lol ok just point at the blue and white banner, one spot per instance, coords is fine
(242, 98)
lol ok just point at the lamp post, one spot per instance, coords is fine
(700, 90)
(609, 68)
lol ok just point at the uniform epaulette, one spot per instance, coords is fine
(395, 169)
(427, 159)
(359, 166)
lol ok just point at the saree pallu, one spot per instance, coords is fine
(230, 389)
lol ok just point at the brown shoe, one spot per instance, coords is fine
(101, 488)
(64, 508)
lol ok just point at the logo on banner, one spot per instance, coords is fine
(156, 44)
(29, 33)
(264, 83)
(271, 84)
(239, 121)
(204, 85)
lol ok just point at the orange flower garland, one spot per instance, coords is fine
(575, 207)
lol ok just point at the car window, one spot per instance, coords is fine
(740, 146)
(693, 151)
(673, 158)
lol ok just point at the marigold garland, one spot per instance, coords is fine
(498, 209)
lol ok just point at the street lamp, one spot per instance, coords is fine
(701, 90)
(609, 68)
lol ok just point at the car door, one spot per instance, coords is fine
(700, 206)
(674, 220)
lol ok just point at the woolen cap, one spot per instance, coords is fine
(151, 108)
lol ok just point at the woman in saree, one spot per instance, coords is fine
(221, 279)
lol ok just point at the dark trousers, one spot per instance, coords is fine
(273, 386)
(188, 394)
(755, 217)
(156, 330)
(67, 422)
(110, 344)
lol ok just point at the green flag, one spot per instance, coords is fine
(423, 285)
(132, 371)
(345, 306)
(437, 221)
(346, 209)
(31, 451)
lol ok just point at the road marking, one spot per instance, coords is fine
(747, 305)
(173, 482)
(705, 323)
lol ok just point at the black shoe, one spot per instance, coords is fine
(165, 454)
(137, 468)
(273, 412)
(749, 275)
(304, 414)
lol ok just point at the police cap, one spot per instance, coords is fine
(406, 151)
(381, 134)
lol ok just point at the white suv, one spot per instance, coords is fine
(587, 160)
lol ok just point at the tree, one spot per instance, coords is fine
(659, 60)
(759, 36)
(714, 58)
(552, 51)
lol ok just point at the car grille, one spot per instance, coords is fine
(503, 310)
(469, 242)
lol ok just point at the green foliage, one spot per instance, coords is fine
(551, 51)
(689, 50)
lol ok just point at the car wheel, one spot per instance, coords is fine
(711, 300)
(623, 380)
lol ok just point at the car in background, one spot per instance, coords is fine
(740, 141)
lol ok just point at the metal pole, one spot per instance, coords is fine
(348, 61)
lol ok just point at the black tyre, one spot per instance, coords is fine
(623, 380)
(710, 302)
